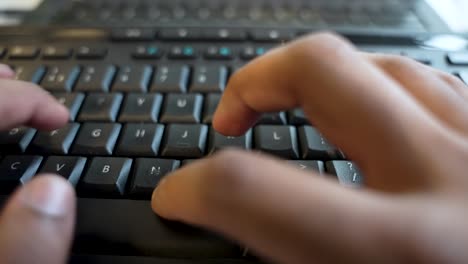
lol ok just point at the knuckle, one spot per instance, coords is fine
(235, 78)
(397, 62)
(451, 79)
(316, 45)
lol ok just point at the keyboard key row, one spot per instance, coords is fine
(174, 140)
(114, 177)
(152, 108)
(22, 52)
(188, 52)
(129, 78)
(142, 52)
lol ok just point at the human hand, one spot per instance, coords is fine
(403, 123)
(36, 224)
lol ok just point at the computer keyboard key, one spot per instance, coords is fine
(347, 172)
(209, 79)
(29, 74)
(211, 104)
(96, 78)
(458, 58)
(277, 140)
(133, 34)
(315, 146)
(91, 53)
(182, 108)
(96, 139)
(219, 53)
(184, 141)
(250, 52)
(147, 174)
(16, 170)
(271, 35)
(297, 117)
(61, 78)
(56, 53)
(182, 53)
(140, 140)
(130, 228)
(273, 119)
(171, 79)
(56, 141)
(141, 108)
(71, 168)
(217, 141)
(72, 101)
(23, 52)
(224, 34)
(463, 75)
(133, 78)
(16, 140)
(101, 107)
(180, 34)
(106, 176)
(313, 165)
(147, 52)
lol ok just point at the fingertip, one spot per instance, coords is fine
(50, 115)
(157, 200)
(6, 71)
(233, 118)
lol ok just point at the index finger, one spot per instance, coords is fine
(24, 103)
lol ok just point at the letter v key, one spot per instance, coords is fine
(60, 167)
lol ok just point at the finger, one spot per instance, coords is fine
(6, 72)
(36, 225)
(301, 218)
(361, 110)
(439, 92)
(24, 103)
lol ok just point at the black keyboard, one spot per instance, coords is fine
(368, 15)
(141, 104)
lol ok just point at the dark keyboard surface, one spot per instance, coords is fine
(413, 16)
(141, 106)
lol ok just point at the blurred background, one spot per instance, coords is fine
(452, 12)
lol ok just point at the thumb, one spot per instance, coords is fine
(36, 224)
(282, 213)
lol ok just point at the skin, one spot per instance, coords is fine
(405, 125)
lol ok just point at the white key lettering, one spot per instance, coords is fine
(60, 167)
(106, 169)
(96, 133)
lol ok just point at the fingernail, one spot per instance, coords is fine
(47, 195)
